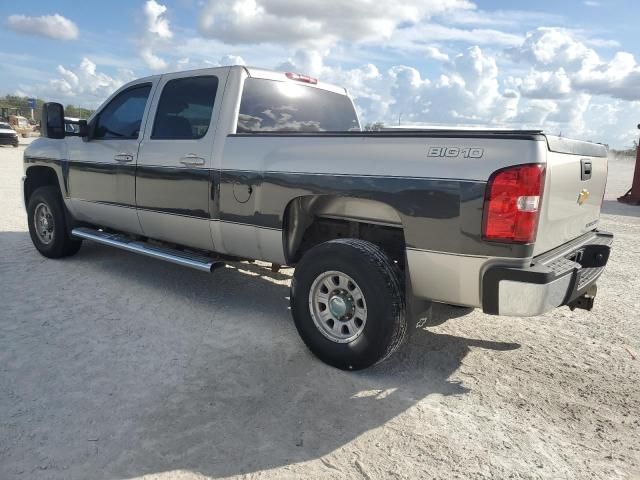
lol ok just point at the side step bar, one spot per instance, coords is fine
(179, 257)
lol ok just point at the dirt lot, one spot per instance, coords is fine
(115, 366)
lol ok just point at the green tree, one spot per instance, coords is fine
(375, 126)
(77, 112)
(9, 104)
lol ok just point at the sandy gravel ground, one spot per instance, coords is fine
(115, 366)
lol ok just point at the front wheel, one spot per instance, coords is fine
(48, 226)
(348, 304)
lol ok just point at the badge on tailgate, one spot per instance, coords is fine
(455, 152)
(583, 196)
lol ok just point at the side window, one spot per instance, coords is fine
(185, 107)
(122, 117)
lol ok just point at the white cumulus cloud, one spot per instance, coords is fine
(156, 33)
(539, 84)
(551, 47)
(51, 26)
(468, 91)
(564, 63)
(153, 61)
(317, 23)
(619, 78)
(157, 22)
(85, 83)
(436, 54)
(231, 60)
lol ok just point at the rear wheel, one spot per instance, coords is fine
(48, 226)
(348, 303)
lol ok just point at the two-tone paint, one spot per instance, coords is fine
(237, 202)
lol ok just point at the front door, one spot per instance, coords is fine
(102, 168)
(173, 181)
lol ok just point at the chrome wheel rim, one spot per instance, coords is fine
(337, 307)
(43, 223)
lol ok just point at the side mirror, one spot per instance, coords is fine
(52, 125)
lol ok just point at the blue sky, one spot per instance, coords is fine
(569, 67)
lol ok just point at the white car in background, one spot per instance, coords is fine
(8, 136)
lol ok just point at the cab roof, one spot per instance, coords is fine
(255, 72)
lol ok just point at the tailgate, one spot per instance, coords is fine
(575, 181)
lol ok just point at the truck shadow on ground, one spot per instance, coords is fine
(250, 396)
(613, 207)
(242, 409)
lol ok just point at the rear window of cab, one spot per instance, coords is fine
(285, 106)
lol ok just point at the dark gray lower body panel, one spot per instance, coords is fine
(442, 215)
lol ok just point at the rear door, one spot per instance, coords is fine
(102, 168)
(576, 177)
(173, 180)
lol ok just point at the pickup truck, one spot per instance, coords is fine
(230, 164)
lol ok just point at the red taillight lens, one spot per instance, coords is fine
(512, 204)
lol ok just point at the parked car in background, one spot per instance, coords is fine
(21, 125)
(8, 136)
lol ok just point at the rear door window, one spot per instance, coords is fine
(185, 108)
(275, 106)
(122, 117)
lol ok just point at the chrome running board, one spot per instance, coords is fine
(179, 257)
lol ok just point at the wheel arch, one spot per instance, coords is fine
(303, 212)
(40, 176)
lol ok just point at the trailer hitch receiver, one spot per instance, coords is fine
(586, 300)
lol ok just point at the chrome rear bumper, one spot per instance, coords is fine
(556, 278)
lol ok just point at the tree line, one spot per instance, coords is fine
(22, 104)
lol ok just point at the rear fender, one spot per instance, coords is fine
(302, 211)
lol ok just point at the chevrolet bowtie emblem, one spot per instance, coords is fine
(583, 197)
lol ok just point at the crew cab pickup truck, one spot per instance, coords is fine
(225, 164)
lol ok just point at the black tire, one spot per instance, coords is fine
(61, 244)
(380, 282)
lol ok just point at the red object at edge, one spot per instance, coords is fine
(632, 197)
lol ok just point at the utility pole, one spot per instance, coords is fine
(32, 105)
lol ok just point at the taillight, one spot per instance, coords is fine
(512, 204)
(302, 78)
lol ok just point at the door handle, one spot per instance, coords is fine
(192, 159)
(123, 157)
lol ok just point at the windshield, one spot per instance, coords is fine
(274, 106)
(5, 126)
